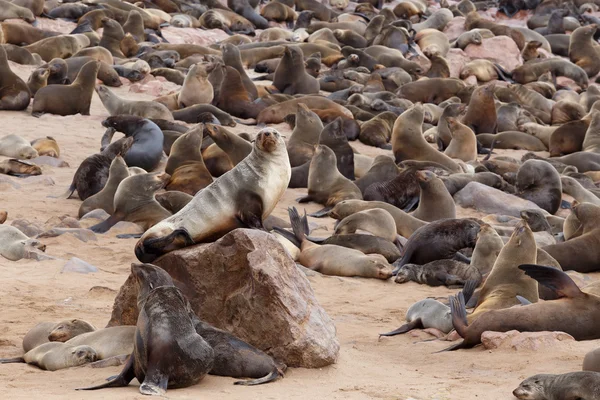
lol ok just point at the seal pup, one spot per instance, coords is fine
(75, 98)
(335, 260)
(15, 245)
(245, 196)
(573, 312)
(326, 185)
(92, 173)
(449, 273)
(46, 147)
(147, 148)
(233, 357)
(438, 240)
(45, 332)
(16, 167)
(54, 356)
(168, 352)
(408, 142)
(16, 147)
(104, 198)
(435, 202)
(116, 105)
(134, 202)
(14, 92)
(572, 385)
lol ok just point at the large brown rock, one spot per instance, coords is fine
(246, 283)
(499, 49)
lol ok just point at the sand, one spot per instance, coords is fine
(401, 367)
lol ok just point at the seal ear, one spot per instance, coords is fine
(553, 279)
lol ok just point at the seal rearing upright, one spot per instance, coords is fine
(242, 197)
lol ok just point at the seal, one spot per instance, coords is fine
(591, 361)
(326, 185)
(571, 385)
(581, 49)
(104, 199)
(573, 312)
(487, 248)
(134, 202)
(167, 351)
(233, 97)
(435, 202)
(14, 92)
(147, 148)
(53, 356)
(301, 145)
(15, 245)
(186, 165)
(119, 106)
(19, 168)
(463, 145)
(368, 244)
(16, 147)
(45, 332)
(335, 260)
(92, 173)
(382, 169)
(112, 35)
(75, 98)
(227, 21)
(63, 46)
(196, 87)
(107, 73)
(377, 131)
(481, 114)
(248, 194)
(193, 114)
(233, 145)
(37, 80)
(276, 113)
(291, 76)
(109, 342)
(377, 221)
(13, 11)
(46, 147)
(539, 182)
(402, 190)
(438, 240)
(408, 142)
(434, 90)
(581, 253)
(449, 273)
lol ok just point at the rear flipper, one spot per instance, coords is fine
(12, 360)
(459, 320)
(67, 194)
(305, 199)
(321, 213)
(121, 380)
(503, 74)
(416, 324)
(130, 235)
(469, 289)
(411, 204)
(288, 235)
(274, 375)
(461, 257)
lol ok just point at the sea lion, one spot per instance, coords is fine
(577, 311)
(108, 342)
(435, 202)
(15, 245)
(326, 185)
(37, 80)
(291, 76)
(256, 183)
(104, 198)
(383, 169)
(408, 142)
(424, 314)
(575, 189)
(335, 260)
(276, 113)
(233, 97)
(539, 182)
(511, 140)
(233, 145)
(438, 240)
(582, 51)
(16, 147)
(193, 114)
(437, 273)
(107, 73)
(227, 21)
(112, 35)
(134, 202)
(232, 58)
(63, 46)
(147, 147)
(196, 87)
(572, 385)
(92, 173)
(75, 98)
(368, 244)
(481, 113)
(279, 12)
(116, 105)
(53, 356)
(530, 72)
(463, 145)
(487, 248)
(301, 145)
(402, 190)
(168, 352)
(20, 55)
(378, 130)
(474, 20)
(46, 147)
(504, 281)
(186, 165)
(14, 11)
(377, 221)
(45, 332)
(19, 168)
(14, 92)
(58, 72)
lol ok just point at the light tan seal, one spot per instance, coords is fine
(53, 356)
(45, 332)
(435, 201)
(46, 147)
(196, 87)
(248, 193)
(15, 146)
(116, 105)
(63, 46)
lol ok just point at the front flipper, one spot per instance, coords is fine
(105, 225)
(305, 199)
(273, 375)
(416, 324)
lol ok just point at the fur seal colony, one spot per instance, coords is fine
(426, 163)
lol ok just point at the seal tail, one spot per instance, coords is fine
(272, 376)
(503, 74)
(12, 360)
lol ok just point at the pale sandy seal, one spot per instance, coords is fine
(116, 105)
(15, 245)
(16, 147)
(55, 332)
(53, 356)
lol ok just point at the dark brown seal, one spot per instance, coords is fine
(572, 385)
(14, 92)
(291, 76)
(539, 182)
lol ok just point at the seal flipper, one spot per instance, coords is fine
(288, 235)
(305, 199)
(123, 379)
(461, 257)
(321, 213)
(503, 74)
(553, 279)
(12, 360)
(105, 225)
(250, 206)
(410, 205)
(416, 324)
(272, 376)
(299, 224)
(523, 300)
(129, 235)
(469, 289)
(459, 320)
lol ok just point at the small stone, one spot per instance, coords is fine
(79, 266)
(516, 340)
(28, 228)
(96, 214)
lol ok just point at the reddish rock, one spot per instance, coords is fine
(456, 59)
(516, 340)
(245, 283)
(499, 49)
(455, 28)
